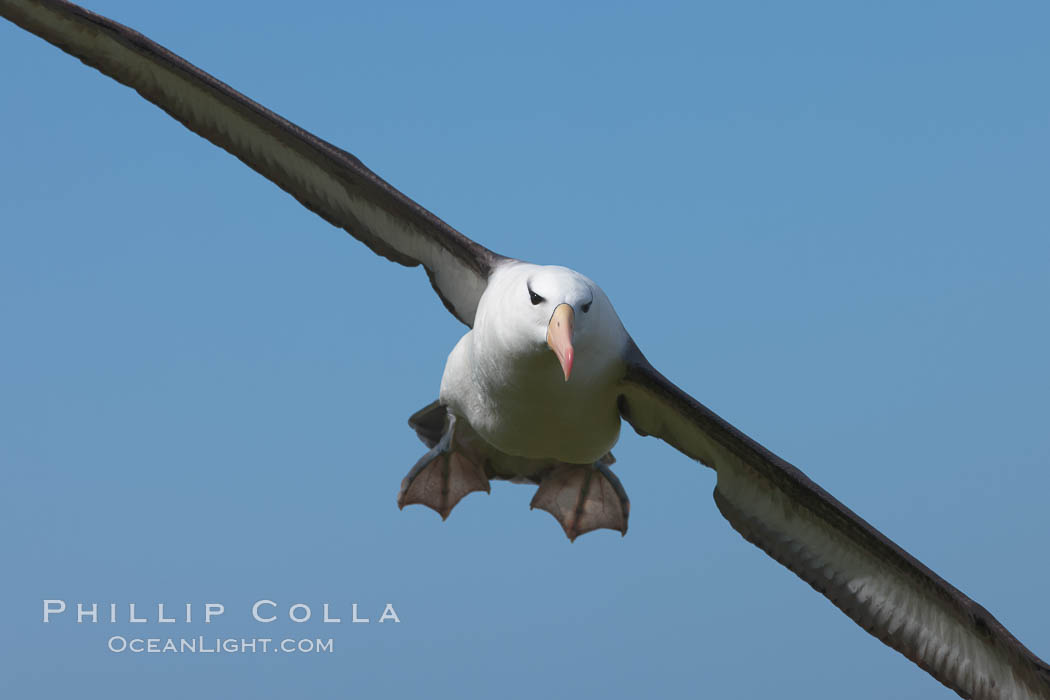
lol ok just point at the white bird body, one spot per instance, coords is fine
(502, 378)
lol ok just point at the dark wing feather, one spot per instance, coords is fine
(880, 586)
(327, 180)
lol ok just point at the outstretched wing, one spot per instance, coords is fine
(327, 180)
(880, 586)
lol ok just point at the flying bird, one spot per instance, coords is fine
(536, 389)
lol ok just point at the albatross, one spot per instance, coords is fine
(537, 388)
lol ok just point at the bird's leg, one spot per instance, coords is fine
(443, 476)
(584, 497)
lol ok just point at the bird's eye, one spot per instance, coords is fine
(586, 307)
(536, 298)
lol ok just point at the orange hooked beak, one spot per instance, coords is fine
(559, 336)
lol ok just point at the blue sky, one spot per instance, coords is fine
(826, 221)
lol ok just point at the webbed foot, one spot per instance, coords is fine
(584, 497)
(442, 477)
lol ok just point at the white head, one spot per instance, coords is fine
(549, 313)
